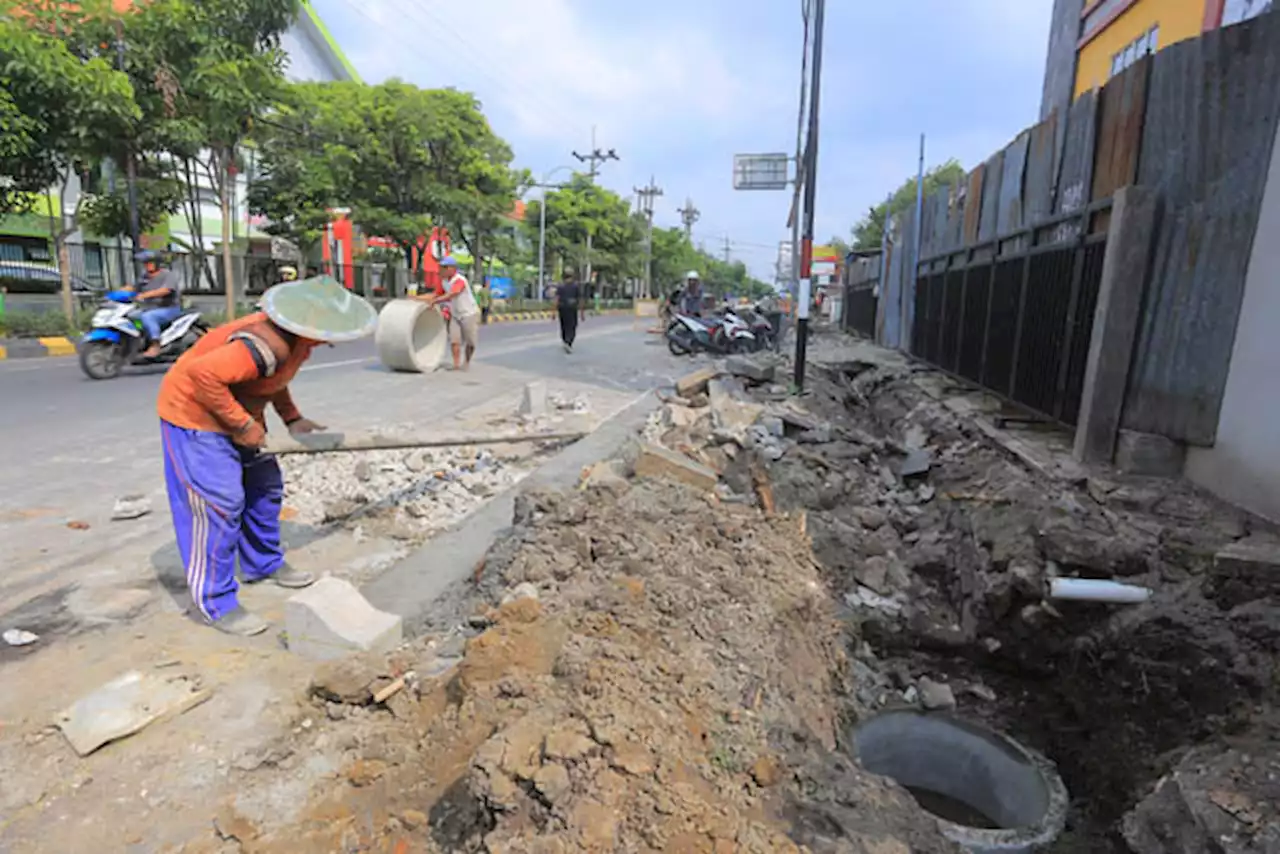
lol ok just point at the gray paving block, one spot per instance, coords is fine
(330, 619)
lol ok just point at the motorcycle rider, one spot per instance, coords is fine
(288, 273)
(158, 283)
(693, 294)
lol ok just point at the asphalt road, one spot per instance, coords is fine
(71, 446)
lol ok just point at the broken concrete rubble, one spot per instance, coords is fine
(331, 619)
(752, 369)
(658, 463)
(126, 705)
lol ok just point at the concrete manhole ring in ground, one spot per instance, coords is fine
(991, 794)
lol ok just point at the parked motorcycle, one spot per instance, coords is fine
(721, 335)
(755, 321)
(116, 337)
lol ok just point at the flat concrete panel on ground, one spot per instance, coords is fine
(1212, 109)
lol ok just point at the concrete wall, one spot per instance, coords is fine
(1243, 466)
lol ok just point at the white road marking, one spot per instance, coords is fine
(342, 364)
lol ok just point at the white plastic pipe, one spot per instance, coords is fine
(1092, 590)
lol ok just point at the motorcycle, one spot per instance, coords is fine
(755, 321)
(721, 336)
(116, 337)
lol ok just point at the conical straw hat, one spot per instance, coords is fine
(320, 309)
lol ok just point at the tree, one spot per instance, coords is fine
(60, 115)
(583, 207)
(202, 71)
(403, 159)
(868, 234)
(674, 256)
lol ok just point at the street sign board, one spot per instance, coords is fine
(761, 171)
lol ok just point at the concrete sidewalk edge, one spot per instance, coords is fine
(36, 348)
(427, 576)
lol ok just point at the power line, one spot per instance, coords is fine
(595, 158)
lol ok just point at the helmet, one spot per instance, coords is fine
(146, 256)
(288, 273)
(693, 274)
(449, 261)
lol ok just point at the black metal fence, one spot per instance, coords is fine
(1015, 315)
(861, 303)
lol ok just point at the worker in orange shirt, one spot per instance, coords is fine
(225, 494)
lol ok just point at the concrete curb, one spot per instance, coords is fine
(519, 316)
(36, 348)
(430, 574)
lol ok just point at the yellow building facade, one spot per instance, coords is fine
(1114, 34)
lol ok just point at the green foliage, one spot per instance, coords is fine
(583, 208)
(59, 112)
(402, 158)
(868, 234)
(106, 213)
(674, 256)
(43, 324)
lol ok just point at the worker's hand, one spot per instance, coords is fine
(253, 435)
(303, 426)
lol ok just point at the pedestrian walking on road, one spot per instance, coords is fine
(570, 305)
(484, 298)
(463, 312)
(225, 494)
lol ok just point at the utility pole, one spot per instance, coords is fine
(646, 196)
(728, 249)
(131, 168)
(810, 197)
(689, 215)
(595, 158)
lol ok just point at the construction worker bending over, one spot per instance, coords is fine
(225, 494)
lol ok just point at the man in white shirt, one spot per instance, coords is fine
(463, 313)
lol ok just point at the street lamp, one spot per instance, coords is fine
(542, 228)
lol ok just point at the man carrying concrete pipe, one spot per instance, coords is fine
(224, 493)
(463, 312)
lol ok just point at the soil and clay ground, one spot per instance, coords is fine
(649, 667)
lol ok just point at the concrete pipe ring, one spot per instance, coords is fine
(411, 336)
(989, 793)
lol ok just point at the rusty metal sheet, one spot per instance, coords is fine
(1075, 174)
(988, 224)
(1010, 217)
(1041, 168)
(973, 204)
(1212, 113)
(1122, 109)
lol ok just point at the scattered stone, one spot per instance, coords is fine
(917, 463)
(604, 475)
(363, 471)
(936, 696)
(521, 591)
(871, 518)
(729, 414)
(750, 369)
(820, 435)
(767, 772)
(552, 781)
(982, 692)
(131, 507)
(348, 680)
(331, 619)
(658, 463)
(414, 819)
(774, 426)
(126, 705)
(874, 573)
(696, 383)
(20, 637)
(1246, 571)
(534, 402)
(682, 416)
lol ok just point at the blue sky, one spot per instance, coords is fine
(679, 86)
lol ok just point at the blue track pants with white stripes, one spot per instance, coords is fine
(225, 502)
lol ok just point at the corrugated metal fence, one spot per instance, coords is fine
(1195, 123)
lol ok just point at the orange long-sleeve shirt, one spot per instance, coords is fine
(230, 375)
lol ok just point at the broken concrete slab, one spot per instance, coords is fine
(126, 705)
(533, 403)
(730, 413)
(696, 382)
(1149, 455)
(917, 463)
(1245, 571)
(331, 619)
(658, 463)
(130, 507)
(750, 369)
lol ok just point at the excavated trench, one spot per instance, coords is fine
(1113, 695)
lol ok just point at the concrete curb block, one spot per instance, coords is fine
(519, 316)
(415, 584)
(36, 348)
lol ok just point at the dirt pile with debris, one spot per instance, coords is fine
(650, 669)
(942, 535)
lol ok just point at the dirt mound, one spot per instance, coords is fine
(676, 685)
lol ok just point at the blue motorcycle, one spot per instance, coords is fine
(116, 337)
